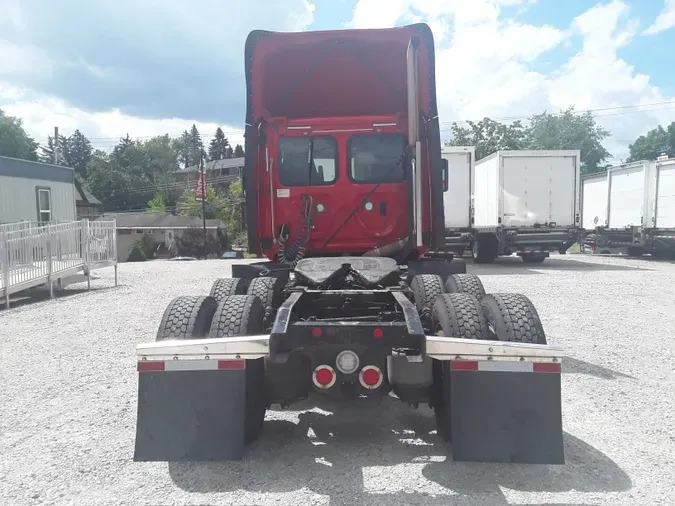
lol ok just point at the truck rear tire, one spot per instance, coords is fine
(513, 318)
(268, 290)
(454, 315)
(187, 317)
(223, 287)
(426, 288)
(465, 283)
(485, 249)
(242, 315)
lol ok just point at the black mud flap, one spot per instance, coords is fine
(195, 415)
(506, 416)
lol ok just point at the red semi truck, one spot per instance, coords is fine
(344, 185)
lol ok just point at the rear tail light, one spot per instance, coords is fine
(371, 377)
(324, 376)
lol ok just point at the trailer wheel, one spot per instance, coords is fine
(187, 317)
(426, 288)
(465, 283)
(454, 315)
(223, 287)
(512, 317)
(485, 249)
(242, 315)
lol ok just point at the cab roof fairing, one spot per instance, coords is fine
(292, 75)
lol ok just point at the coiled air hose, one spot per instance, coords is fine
(296, 251)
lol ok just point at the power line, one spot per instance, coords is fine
(513, 118)
(178, 185)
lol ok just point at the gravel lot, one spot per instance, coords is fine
(68, 398)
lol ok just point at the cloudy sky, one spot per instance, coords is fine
(147, 67)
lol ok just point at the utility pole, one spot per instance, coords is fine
(203, 169)
(56, 145)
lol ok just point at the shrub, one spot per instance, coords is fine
(137, 254)
(191, 243)
(148, 245)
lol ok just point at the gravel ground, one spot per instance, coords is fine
(68, 397)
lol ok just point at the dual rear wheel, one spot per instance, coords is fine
(233, 308)
(461, 308)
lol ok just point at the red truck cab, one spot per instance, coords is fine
(330, 162)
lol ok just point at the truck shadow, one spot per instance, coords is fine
(572, 365)
(376, 456)
(514, 265)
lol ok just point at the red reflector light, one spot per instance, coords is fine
(370, 377)
(378, 333)
(317, 332)
(324, 376)
(546, 367)
(463, 365)
(148, 366)
(231, 365)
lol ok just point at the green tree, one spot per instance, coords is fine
(157, 204)
(78, 153)
(160, 163)
(47, 151)
(232, 214)
(238, 151)
(219, 146)
(195, 146)
(14, 141)
(565, 130)
(188, 205)
(181, 146)
(650, 146)
(489, 136)
(568, 130)
(121, 179)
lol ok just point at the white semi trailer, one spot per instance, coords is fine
(639, 200)
(526, 202)
(457, 200)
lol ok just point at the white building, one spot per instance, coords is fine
(36, 191)
(162, 228)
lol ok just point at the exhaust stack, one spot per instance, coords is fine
(414, 135)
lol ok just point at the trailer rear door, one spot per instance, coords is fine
(457, 200)
(539, 189)
(626, 196)
(594, 202)
(665, 196)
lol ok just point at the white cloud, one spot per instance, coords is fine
(104, 129)
(664, 21)
(486, 64)
(167, 63)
